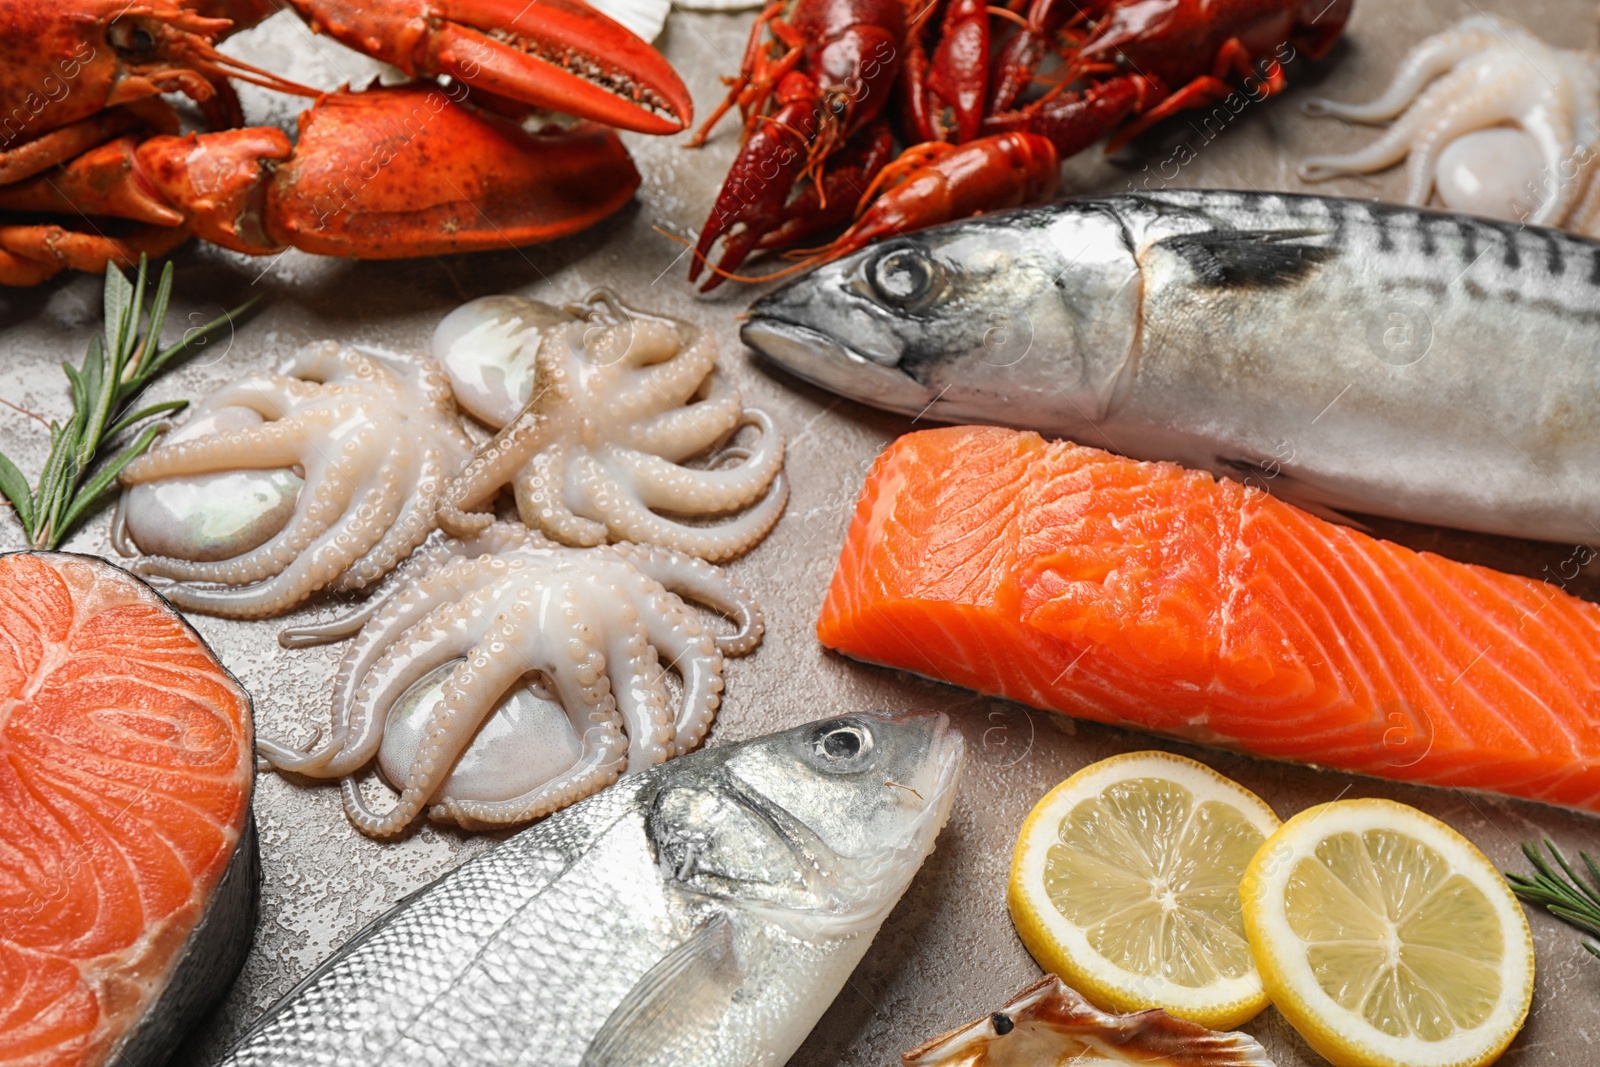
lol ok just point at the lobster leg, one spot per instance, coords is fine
(96, 183)
(939, 183)
(755, 198)
(1017, 61)
(1233, 58)
(557, 54)
(29, 254)
(759, 73)
(957, 75)
(1075, 120)
(842, 193)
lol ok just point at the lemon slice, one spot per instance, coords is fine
(1387, 938)
(1125, 882)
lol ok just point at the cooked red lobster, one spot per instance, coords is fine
(1017, 88)
(92, 169)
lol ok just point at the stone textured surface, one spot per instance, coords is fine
(948, 953)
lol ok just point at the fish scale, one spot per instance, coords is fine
(1345, 355)
(730, 891)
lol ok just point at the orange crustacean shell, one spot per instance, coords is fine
(1049, 1024)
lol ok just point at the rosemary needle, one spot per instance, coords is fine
(1565, 895)
(120, 363)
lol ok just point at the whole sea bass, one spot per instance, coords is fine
(701, 914)
(1344, 354)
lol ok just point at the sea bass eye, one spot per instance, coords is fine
(906, 278)
(841, 745)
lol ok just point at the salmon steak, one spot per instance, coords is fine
(128, 869)
(1169, 601)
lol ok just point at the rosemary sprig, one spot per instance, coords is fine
(1566, 897)
(119, 365)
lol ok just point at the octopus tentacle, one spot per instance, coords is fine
(1396, 142)
(355, 731)
(316, 514)
(640, 692)
(1427, 62)
(695, 579)
(662, 484)
(1585, 217)
(477, 618)
(628, 517)
(683, 432)
(674, 381)
(495, 464)
(1552, 141)
(1458, 92)
(407, 520)
(541, 503)
(327, 363)
(417, 569)
(267, 396)
(372, 438)
(575, 667)
(691, 652)
(451, 632)
(263, 447)
(620, 400)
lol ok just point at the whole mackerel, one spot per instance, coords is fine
(700, 914)
(1344, 354)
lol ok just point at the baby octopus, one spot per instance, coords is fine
(1501, 123)
(598, 407)
(324, 475)
(509, 677)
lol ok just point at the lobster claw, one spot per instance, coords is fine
(391, 173)
(557, 54)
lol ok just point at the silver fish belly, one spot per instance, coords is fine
(1344, 354)
(705, 912)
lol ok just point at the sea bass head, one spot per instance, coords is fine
(1037, 306)
(819, 828)
(729, 892)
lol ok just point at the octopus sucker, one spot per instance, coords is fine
(599, 410)
(1490, 117)
(322, 476)
(508, 676)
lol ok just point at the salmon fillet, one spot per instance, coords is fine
(127, 853)
(1150, 596)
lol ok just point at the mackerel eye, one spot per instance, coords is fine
(841, 745)
(906, 278)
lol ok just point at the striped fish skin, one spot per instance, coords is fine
(704, 912)
(1343, 354)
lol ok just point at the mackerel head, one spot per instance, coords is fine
(704, 912)
(1343, 354)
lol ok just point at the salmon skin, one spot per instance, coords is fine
(1343, 354)
(1154, 597)
(128, 865)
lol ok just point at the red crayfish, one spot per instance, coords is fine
(93, 170)
(988, 100)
